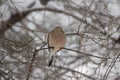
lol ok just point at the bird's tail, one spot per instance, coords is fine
(50, 60)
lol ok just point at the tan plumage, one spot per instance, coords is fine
(56, 41)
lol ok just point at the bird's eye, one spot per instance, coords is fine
(52, 47)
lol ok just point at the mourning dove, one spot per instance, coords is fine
(44, 2)
(56, 41)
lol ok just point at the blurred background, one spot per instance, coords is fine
(92, 51)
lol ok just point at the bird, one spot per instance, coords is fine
(44, 2)
(56, 41)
